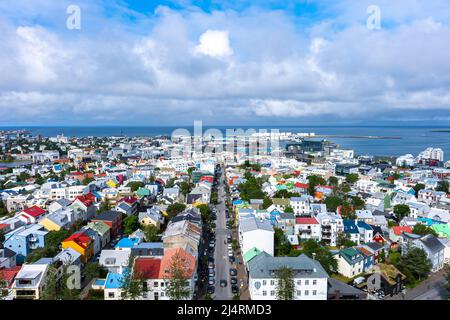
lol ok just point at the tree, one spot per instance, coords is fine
(54, 238)
(177, 286)
(170, 183)
(87, 180)
(352, 178)
(333, 181)
(4, 290)
(289, 209)
(422, 230)
(3, 211)
(447, 275)
(94, 270)
(151, 233)
(2, 238)
(418, 187)
(267, 202)
(132, 282)
(343, 240)
(333, 202)
(314, 181)
(214, 197)
(175, 208)
(135, 185)
(185, 188)
(56, 285)
(104, 206)
(401, 210)
(285, 285)
(415, 265)
(358, 203)
(314, 250)
(282, 244)
(130, 224)
(443, 186)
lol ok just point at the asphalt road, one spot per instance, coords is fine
(221, 261)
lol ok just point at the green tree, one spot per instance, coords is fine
(415, 265)
(313, 182)
(418, 187)
(87, 180)
(94, 270)
(401, 210)
(135, 185)
(313, 249)
(422, 230)
(358, 203)
(132, 282)
(333, 202)
(175, 208)
(4, 290)
(282, 244)
(333, 181)
(289, 209)
(185, 188)
(150, 233)
(443, 186)
(352, 178)
(130, 224)
(343, 240)
(285, 285)
(56, 285)
(177, 286)
(447, 275)
(267, 202)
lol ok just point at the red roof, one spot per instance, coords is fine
(399, 230)
(86, 199)
(207, 178)
(34, 211)
(9, 274)
(326, 187)
(301, 185)
(147, 268)
(129, 200)
(306, 221)
(81, 239)
(3, 226)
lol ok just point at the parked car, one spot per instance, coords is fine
(233, 280)
(223, 283)
(230, 253)
(234, 289)
(232, 259)
(233, 272)
(211, 281)
(210, 289)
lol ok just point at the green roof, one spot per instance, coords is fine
(250, 254)
(441, 229)
(143, 192)
(99, 226)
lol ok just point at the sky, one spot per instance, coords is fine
(236, 62)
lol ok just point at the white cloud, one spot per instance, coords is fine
(214, 43)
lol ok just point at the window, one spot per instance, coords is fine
(110, 294)
(264, 293)
(299, 282)
(306, 282)
(314, 293)
(299, 292)
(272, 293)
(272, 282)
(264, 282)
(155, 284)
(162, 284)
(314, 282)
(306, 292)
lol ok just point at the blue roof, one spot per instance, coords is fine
(100, 282)
(350, 226)
(150, 245)
(127, 243)
(362, 224)
(429, 222)
(95, 193)
(114, 281)
(238, 201)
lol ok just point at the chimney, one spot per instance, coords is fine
(314, 256)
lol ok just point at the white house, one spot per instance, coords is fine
(256, 233)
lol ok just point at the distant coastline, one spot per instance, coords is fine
(441, 130)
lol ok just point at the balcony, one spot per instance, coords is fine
(307, 231)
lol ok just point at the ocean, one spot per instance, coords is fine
(412, 139)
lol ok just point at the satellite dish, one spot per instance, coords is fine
(257, 285)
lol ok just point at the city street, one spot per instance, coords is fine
(222, 263)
